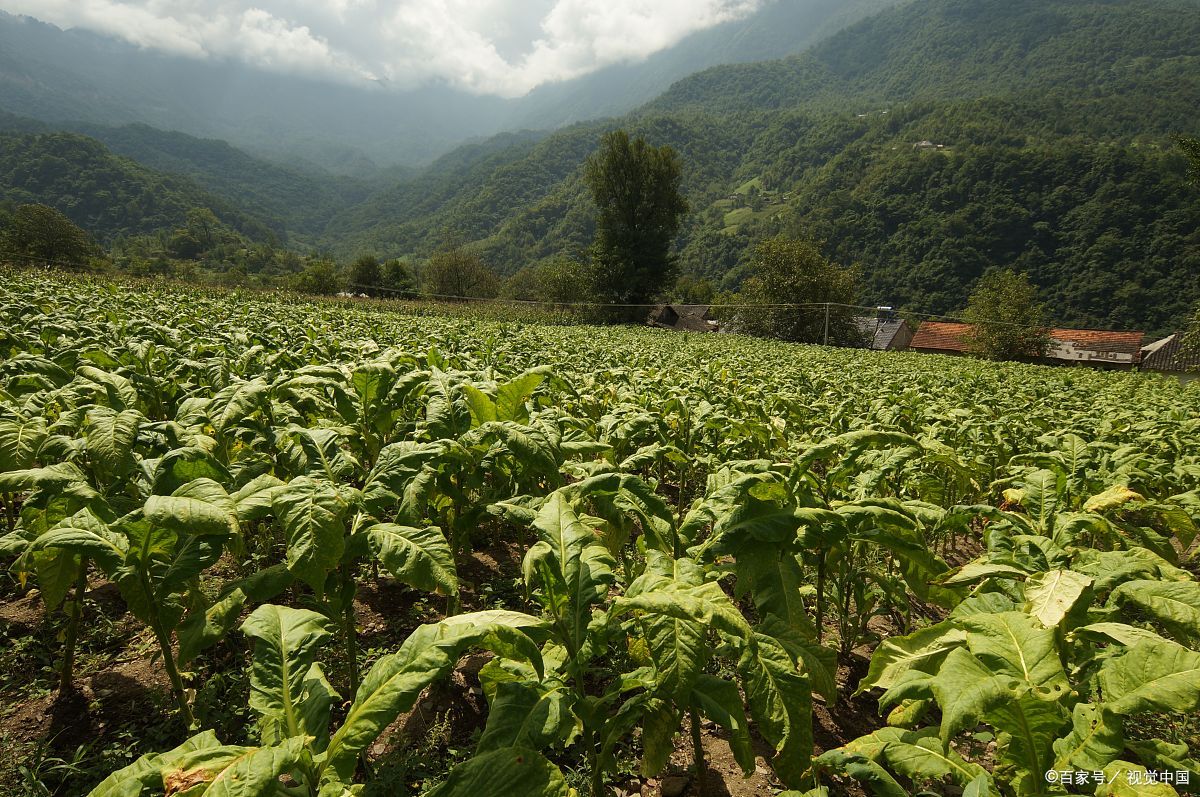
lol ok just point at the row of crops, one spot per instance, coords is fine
(712, 528)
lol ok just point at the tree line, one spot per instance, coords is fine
(789, 288)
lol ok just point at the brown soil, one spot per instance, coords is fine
(722, 775)
(126, 693)
(25, 613)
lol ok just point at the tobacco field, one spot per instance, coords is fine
(257, 547)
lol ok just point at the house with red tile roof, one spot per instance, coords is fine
(939, 337)
(1092, 347)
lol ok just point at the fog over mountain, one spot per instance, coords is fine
(349, 107)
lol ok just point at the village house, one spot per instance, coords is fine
(884, 333)
(938, 337)
(1169, 356)
(683, 318)
(1090, 347)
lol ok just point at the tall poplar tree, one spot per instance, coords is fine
(636, 188)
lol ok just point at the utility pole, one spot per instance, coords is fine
(826, 324)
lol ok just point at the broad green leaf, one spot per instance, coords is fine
(706, 605)
(401, 476)
(1095, 740)
(1122, 634)
(909, 713)
(323, 453)
(120, 392)
(1040, 498)
(526, 715)
(393, 684)
(1175, 604)
(576, 569)
(510, 772)
(512, 396)
(235, 403)
(1123, 779)
(818, 661)
(773, 577)
(202, 629)
(1115, 496)
(982, 786)
(231, 771)
(1112, 568)
(720, 701)
(57, 475)
(371, 381)
(1031, 725)
(659, 725)
(84, 533)
(965, 690)
(917, 755)
(1013, 643)
(527, 444)
(985, 603)
(910, 685)
(282, 683)
(677, 643)
(864, 770)
(109, 441)
(198, 507)
(159, 566)
(254, 500)
(182, 465)
(982, 571)
(20, 441)
(1166, 757)
(1152, 676)
(923, 650)
(146, 772)
(420, 558)
(1051, 596)
(483, 409)
(922, 758)
(311, 511)
(780, 699)
(57, 570)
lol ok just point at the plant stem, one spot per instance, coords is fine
(66, 681)
(351, 635)
(164, 643)
(698, 754)
(10, 510)
(820, 597)
(589, 740)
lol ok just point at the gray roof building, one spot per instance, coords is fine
(883, 334)
(1170, 356)
(683, 318)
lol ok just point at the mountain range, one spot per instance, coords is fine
(68, 76)
(922, 142)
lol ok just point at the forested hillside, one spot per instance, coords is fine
(107, 195)
(303, 200)
(1088, 50)
(1053, 121)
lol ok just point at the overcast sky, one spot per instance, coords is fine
(504, 47)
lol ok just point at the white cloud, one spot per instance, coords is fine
(505, 47)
